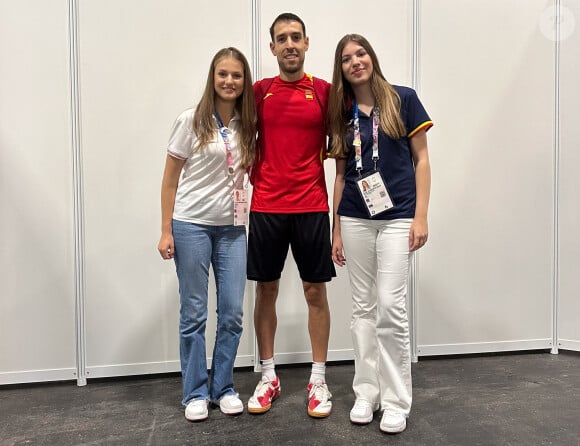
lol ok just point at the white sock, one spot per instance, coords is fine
(268, 369)
(318, 372)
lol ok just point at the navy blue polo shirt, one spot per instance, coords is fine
(395, 162)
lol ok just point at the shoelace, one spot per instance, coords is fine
(199, 403)
(265, 385)
(320, 393)
(393, 417)
(361, 405)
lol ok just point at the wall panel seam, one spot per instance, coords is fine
(415, 42)
(556, 179)
(256, 71)
(77, 179)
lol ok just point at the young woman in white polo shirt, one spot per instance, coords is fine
(204, 209)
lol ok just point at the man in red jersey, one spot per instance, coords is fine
(290, 208)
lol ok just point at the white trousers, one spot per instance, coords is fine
(377, 258)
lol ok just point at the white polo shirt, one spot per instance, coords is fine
(205, 190)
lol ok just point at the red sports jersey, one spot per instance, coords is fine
(288, 175)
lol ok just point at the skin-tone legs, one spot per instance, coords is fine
(265, 319)
(318, 319)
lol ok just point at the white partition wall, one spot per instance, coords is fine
(325, 25)
(37, 306)
(142, 64)
(487, 78)
(499, 272)
(569, 211)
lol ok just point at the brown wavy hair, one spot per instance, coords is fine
(203, 122)
(341, 98)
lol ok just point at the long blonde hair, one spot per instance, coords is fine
(342, 96)
(203, 122)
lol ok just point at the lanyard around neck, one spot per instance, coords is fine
(357, 142)
(224, 131)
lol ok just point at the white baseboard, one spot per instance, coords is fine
(306, 357)
(35, 376)
(483, 347)
(148, 368)
(107, 371)
(569, 344)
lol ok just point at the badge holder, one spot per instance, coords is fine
(241, 208)
(374, 193)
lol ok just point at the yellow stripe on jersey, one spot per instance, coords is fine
(424, 126)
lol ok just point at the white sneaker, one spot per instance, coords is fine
(266, 391)
(196, 410)
(393, 422)
(362, 412)
(319, 404)
(231, 405)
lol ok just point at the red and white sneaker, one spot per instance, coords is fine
(319, 404)
(266, 392)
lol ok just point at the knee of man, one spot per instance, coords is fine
(315, 293)
(267, 290)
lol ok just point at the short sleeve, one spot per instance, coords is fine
(414, 114)
(181, 138)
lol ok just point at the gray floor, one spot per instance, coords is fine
(512, 399)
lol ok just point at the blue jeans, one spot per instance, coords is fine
(196, 247)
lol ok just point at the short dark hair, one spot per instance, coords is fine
(287, 17)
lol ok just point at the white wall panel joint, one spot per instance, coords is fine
(412, 298)
(556, 176)
(77, 192)
(256, 72)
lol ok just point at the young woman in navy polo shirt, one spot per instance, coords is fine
(381, 196)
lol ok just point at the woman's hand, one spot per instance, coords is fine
(418, 234)
(337, 253)
(166, 247)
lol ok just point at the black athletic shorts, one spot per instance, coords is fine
(308, 234)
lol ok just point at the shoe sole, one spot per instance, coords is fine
(361, 421)
(394, 430)
(259, 410)
(232, 411)
(193, 420)
(314, 414)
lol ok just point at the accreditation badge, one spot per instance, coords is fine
(241, 208)
(374, 193)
